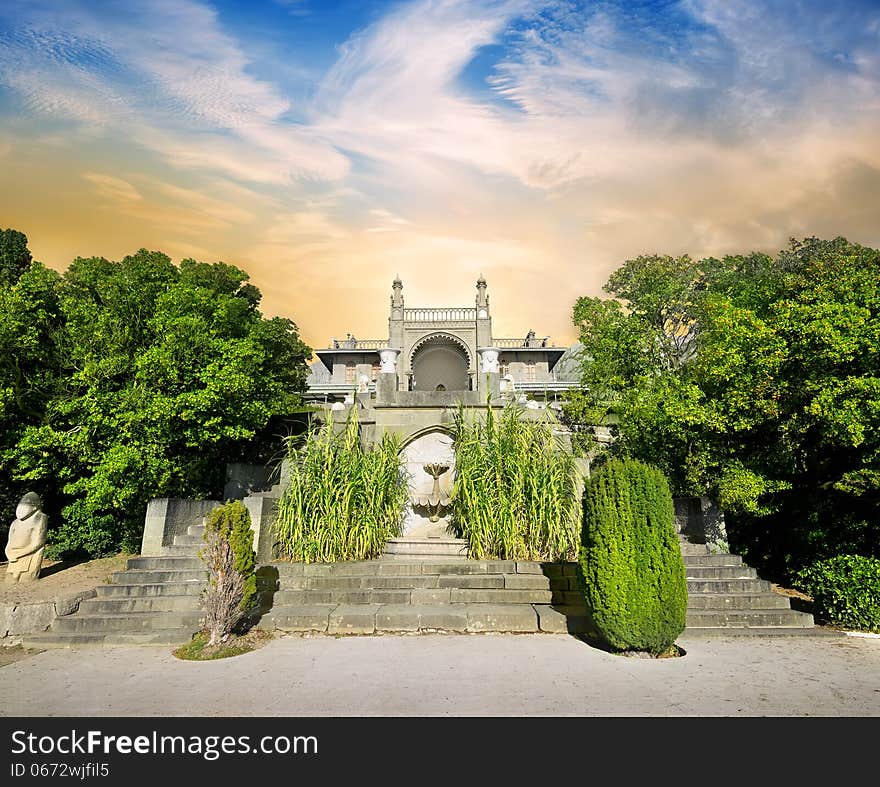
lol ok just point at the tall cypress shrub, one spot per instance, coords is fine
(635, 585)
(230, 559)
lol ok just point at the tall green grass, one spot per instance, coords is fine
(515, 495)
(343, 503)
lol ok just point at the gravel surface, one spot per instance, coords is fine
(456, 675)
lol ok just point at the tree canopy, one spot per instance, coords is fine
(754, 379)
(128, 380)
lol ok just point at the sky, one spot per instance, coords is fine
(326, 147)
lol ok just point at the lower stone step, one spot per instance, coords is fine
(449, 547)
(52, 639)
(123, 604)
(379, 618)
(124, 622)
(748, 618)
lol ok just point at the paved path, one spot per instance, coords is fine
(456, 675)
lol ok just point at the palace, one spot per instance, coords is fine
(434, 351)
(412, 384)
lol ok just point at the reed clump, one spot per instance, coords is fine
(516, 490)
(343, 502)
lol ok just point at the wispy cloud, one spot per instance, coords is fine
(541, 142)
(164, 73)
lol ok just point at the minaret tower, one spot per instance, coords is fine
(484, 320)
(395, 321)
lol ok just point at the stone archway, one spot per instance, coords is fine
(440, 363)
(432, 447)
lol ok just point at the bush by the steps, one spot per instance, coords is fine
(230, 559)
(845, 590)
(633, 571)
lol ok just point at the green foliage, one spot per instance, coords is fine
(343, 502)
(123, 381)
(753, 379)
(845, 590)
(633, 572)
(15, 257)
(232, 523)
(515, 495)
(31, 359)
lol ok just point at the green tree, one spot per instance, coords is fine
(170, 372)
(30, 366)
(15, 257)
(773, 405)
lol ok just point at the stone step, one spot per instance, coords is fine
(121, 604)
(401, 568)
(454, 547)
(751, 618)
(149, 576)
(364, 582)
(373, 618)
(52, 639)
(724, 601)
(693, 549)
(761, 631)
(712, 560)
(310, 597)
(165, 563)
(720, 572)
(106, 623)
(724, 586)
(190, 540)
(182, 550)
(150, 590)
(561, 619)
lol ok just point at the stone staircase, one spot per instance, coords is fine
(155, 601)
(414, 587)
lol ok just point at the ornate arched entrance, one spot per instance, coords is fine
(440, 362)
(428, 449)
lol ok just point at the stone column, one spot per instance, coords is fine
(490, 376)
(386, 383)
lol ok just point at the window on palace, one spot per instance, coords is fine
(350, 372)
(374, 374)
(530, 371)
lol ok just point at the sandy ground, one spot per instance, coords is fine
(58, 578)
(504, 675)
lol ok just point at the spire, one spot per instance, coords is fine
(482, 298)
(397, 293)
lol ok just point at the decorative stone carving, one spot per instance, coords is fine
(388, 360)
(436, 503)
(489, 359)
(27, 540)
(363, 384)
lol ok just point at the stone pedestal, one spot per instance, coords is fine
(386, 387)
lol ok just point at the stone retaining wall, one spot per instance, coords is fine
(33, 617)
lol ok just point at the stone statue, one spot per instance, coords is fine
(27, 539)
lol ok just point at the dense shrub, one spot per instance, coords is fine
(230, 558)
(515, 495)
(343, 502)
(845, 590)
(633, 572)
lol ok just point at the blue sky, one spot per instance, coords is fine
(325, 147)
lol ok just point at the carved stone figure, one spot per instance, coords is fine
(27, 540)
